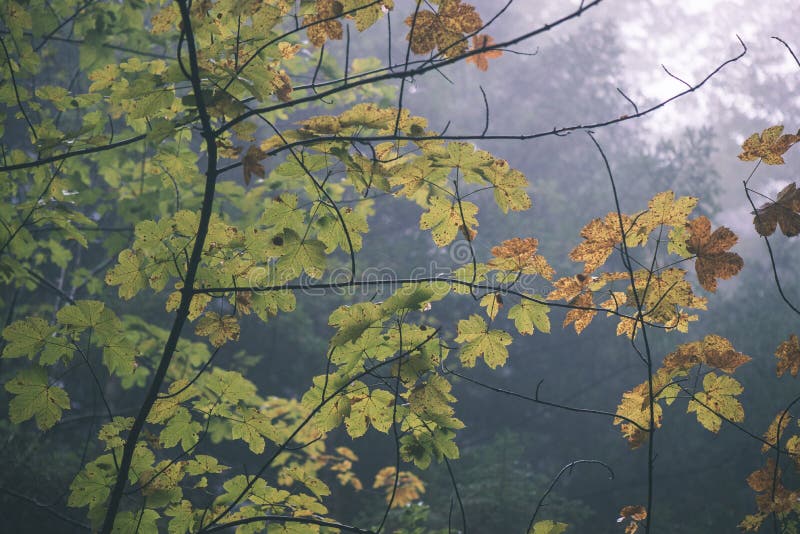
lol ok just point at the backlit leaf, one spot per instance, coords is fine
(477, 340)
(35, 397)
(713, 260)
(479, 42)
(444, 219)
(528, 315)
(219, 328)
(718, 394)
(769, 146)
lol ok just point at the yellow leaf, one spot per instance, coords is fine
(718, 394)
(519, 255)
(218, 328)
(769, 146)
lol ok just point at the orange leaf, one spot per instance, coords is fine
(601, 236)
(713, 260)
(519, 255)
(481, 60)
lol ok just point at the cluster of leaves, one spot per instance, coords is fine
(773, 498)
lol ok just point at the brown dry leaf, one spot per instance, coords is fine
(444, 30)
(788, 355)
(482, 60)
(719, 352)
(684, 357)
(251, 164)
(713, 260)
(328, 30)
(282, 86)
(635, 513)
(771, 435)
(769, 146)
(569, 287)
(601, 236)
(783, 212)
(519, 255)
(580, 318)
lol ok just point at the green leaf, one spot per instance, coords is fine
(92, 485)
(86, 314)
(528, 314)
(300, 255)
(372, 408)
(128, 274)
(182, 518)
(35, 397)
(548, 527)
(180, 428)
(444, 219)
(352, 321)
(138, 523)
(478, 340)
(27, 337)
(119, 355)
(110, 432)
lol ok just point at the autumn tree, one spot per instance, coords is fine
(176, 172)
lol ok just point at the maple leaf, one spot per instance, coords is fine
(548, 527)
(718, 394)
(519, 255)
(319, 32)
(713, 260)
(788, 355)
(634, 514)
(529, 314)
(218, 328)
(782, 420)
(408, 489)
(368, 11)
(478, 340)
(34, 396)
(783, 212)
(601, 236)
(251, 164)
(444, 219)
(580, 318)
(492, 302)
(635, 406)
(664, 294)
(663, 210)
(716, 351)
(480, 42)
(769, 146)
(444, 29)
